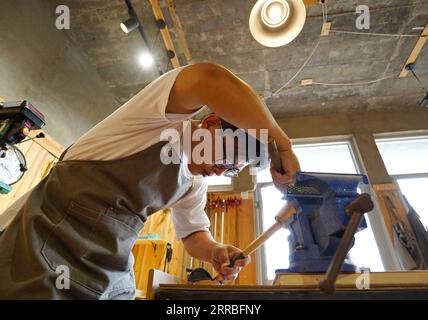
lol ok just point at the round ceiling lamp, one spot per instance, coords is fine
(274, 23)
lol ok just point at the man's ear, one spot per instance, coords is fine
(210, 120)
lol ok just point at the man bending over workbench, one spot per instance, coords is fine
(88, 212)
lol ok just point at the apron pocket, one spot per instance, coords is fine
(112, 240)
(94, 245)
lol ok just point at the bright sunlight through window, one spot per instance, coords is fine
(218, 180)
(406, 159)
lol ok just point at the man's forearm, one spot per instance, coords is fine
(238, 100)
(200, 245)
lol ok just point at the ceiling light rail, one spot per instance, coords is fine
(166, 36)
(146, 58)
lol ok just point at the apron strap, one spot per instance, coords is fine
(61, 157)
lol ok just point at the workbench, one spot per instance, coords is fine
(383, 285)
(189, 292)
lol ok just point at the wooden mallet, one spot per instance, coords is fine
(199, 275)
(286, 212)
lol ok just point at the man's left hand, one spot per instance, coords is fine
(290, 164)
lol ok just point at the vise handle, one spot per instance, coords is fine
(356, 210)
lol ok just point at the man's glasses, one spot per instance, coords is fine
(231, 170)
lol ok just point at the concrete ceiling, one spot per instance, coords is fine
(217, 30)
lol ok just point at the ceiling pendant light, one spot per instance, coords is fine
(274, 23)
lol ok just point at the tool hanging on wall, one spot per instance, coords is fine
(216, 208)
(17, 120)
(168, 257)
(215, 219)
(228, 202)
(223, 208)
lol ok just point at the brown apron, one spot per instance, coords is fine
(86, 216)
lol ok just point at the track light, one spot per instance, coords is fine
(274, 23)
(129, 25)
(146, 60)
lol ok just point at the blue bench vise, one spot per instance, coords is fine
(319, 223)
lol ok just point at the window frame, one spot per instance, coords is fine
(402, 137)
(406, 136)
(221, 187)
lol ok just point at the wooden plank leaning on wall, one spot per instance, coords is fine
(392, 207)
(396, 218)
(399, 226)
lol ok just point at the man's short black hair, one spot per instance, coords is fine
(257, 159)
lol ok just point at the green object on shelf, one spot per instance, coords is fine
(150, 237)
(4, 188)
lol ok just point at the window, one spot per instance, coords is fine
(219, 183)
(327, 157)
(406, 159)
(218, 180)
(276, 249)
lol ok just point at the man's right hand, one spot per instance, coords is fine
(221, 256)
